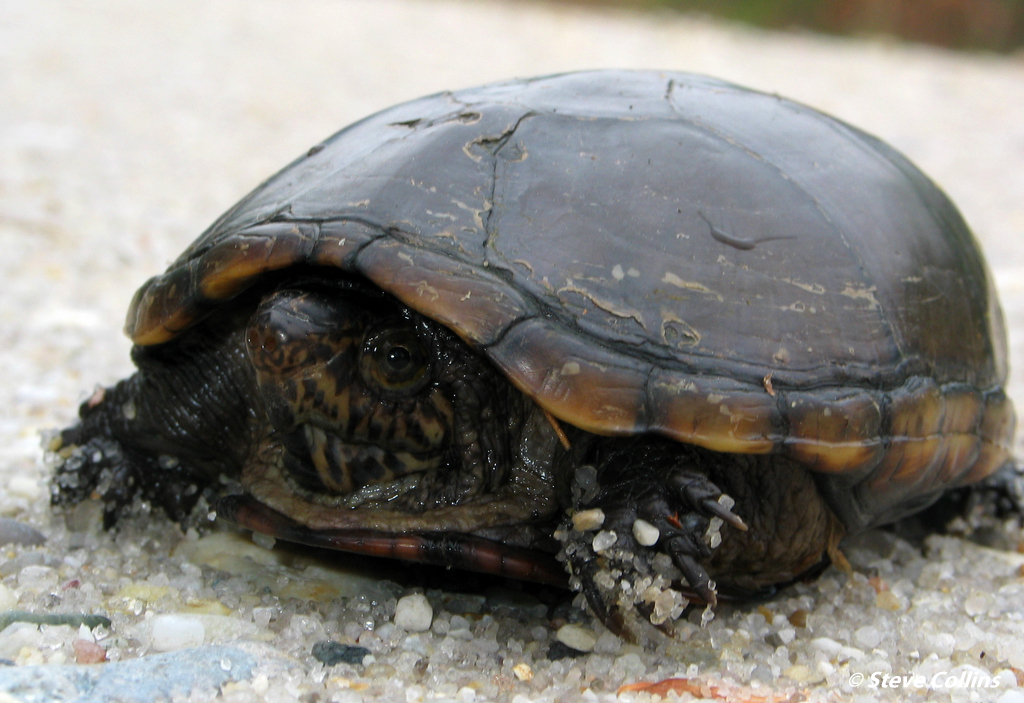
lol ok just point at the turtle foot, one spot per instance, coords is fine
(981, 512)
(639, 541)
(91, 464)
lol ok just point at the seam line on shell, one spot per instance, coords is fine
(502, 140)
(734, 142)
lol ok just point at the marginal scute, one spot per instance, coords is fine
(964, 409)
(917, 410)
(233, 264)
(573, 378)
(340, 241)
(719, 415)
(834, 430)
(467, 300)
(996, 432)
(163, 306)
(997, 422)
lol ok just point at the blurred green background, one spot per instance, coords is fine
(992, 25)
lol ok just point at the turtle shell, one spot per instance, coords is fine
(657, 252)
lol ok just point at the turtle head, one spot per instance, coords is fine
(346, 419)
(346, 384)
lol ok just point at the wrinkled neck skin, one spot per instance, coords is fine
(310, 436)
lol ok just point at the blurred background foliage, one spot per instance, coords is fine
(992, 25)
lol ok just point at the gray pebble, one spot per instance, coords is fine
(16, 532)
(157, 677)
(330, 653)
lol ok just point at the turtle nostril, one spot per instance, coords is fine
(259, 341)
(270, 341)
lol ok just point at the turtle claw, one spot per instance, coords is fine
(720, 509)
(694, 574)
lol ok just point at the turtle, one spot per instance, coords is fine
(653, 335)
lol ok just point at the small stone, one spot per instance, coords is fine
(827, 646)
(586, 520)
(1007, 679)
(577, 637)
(608, 643)
(523, 672)
(172, 632)
(968, 635)
(87, 652)
(887, 600)
(263, 540)
(668, 605)
(262, 616)
(645, 533)
(978, 603)
(713, 535)
(16, 532)
(8, 599)
(799, 673)
(604, 539)
(330, 653)
(414, 613)
(942, 644)
(37, 578)
(24, 487)
(629, 665)
(868, 637)
(798, 618)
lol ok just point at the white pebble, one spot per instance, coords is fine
(942, 644)
(8, 599)
(413, 613)
(604, 539)
(19, 636)
(37, 578)
(586, 520)
(262, 616)
(523, 672)
(826, 646)
(1011, 697)
(868, 637)
(645, 533)
(171, 632)
(1007, 679)
(576, 636)
(977, 603)
(24, 487)
(668, 604)
(787, 635)
(608, 643)
(263, 540)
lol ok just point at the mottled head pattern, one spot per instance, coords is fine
(345, 381)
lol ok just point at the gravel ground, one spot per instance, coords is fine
(125, 128)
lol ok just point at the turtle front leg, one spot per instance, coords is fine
(655, 524)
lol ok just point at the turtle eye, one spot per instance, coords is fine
(395, 360)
